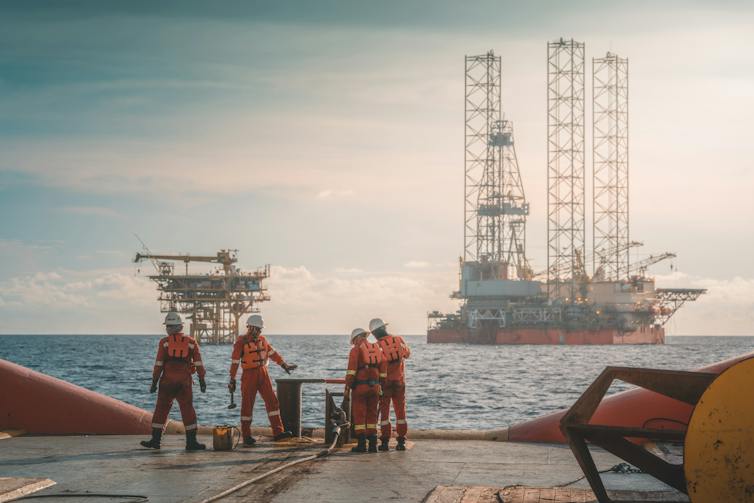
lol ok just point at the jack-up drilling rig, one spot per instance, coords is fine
(502, 300)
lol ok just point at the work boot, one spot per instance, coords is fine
(361, 446)
(249, 441)
(372, 443)
(384, 444)
(154, 443)
(191, 443)
(282, 436)
(401, 444)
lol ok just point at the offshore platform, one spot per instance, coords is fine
(503, 301)
(214, 301)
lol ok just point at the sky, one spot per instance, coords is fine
(325, 138)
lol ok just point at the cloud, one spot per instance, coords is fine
(335, 194)
(65, 301)
(117, 301)
(64, 289)
(99, 211)
(251, 136)
(22, 245)
(348, 270)
(726, 309)
(25, 257)
(308, 302)
(287, 114)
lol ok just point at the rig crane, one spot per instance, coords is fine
(601, 257)
(640, 268)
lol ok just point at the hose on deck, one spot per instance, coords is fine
(130, 498)
(321, 454)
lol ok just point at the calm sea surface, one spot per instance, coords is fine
(450, 385)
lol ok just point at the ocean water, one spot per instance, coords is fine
(449, 385)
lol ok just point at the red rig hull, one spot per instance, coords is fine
(549, 335)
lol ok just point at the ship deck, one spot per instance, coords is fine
(117, 464)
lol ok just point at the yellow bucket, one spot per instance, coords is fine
(222, 437)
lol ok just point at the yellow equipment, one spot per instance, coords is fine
(719, 447)
(718, 443)
(222, 437)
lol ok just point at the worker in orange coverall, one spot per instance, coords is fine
(395, 350)
(367, 370)
(252, 352)
(177, 358)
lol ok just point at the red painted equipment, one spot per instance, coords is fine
(40, 404)
(253, 355)
(367, 370)
(639, 408)
(549, 336)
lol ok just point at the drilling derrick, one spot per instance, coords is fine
(513, 202)
(494, 268)
(610, 166)
(566, 233)
(483, 236)
(213, 302)
(495, 206)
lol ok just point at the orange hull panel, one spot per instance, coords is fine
(39, 404)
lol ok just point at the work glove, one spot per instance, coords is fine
(379, 389)
(153, 387)
(232, 386)
(289, 367)
(202, 385)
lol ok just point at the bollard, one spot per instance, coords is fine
(289, 396)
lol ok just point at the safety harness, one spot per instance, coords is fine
(370, 356)
(178, 348)
(370, 382)
(254, 354)
(392, 348)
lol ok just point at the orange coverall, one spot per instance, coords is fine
(253, 356)
(367, 370)
(177, 358)
(395, 350)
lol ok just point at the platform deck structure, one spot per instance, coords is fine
(212, 302)
(116, 464)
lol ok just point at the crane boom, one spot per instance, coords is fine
(602, 256)
(222, 257)
(642, 265)
(155, 264)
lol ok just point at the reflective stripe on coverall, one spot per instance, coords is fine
(177, 358)
(253, 355)
(395, 350)
(367, 369)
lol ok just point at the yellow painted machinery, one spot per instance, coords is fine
(718, 442)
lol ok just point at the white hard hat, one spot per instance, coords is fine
(357, 332)
(173, 319)
(255, 320)
(376, 323)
